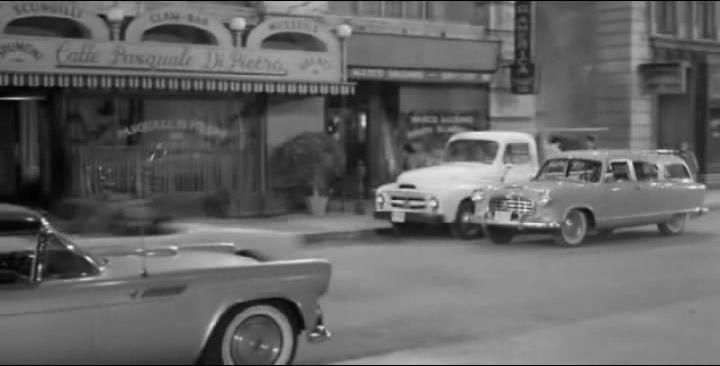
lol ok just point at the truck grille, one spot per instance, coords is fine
(520, 206)
(408, 202)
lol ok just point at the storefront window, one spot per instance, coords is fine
(179, 34)
(161, 144)
(47, 27)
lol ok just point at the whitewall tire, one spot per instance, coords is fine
(255, 335)
(573, 229)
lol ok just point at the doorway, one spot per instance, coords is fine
(9, 150)
(20, 159)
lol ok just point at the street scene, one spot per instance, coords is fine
(636, 298)
(359, 182)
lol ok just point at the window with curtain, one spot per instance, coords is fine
(666, 17)
(706, 14)
(160, 144)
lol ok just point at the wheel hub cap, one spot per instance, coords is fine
(257, 341)
(572, 228)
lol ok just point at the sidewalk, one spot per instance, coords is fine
(313, 229)
(334, 226)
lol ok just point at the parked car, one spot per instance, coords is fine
(186, 304)
(442, 194)
(579, 192)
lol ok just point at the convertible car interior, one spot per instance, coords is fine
(18, 242)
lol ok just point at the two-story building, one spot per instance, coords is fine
(184, 99)
(645, 70)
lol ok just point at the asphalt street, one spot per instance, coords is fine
(493, 304)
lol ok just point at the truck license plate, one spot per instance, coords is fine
(397, 216)
(503, 217)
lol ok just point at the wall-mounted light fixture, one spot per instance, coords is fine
(237, 26)
(115, 16)
(343, 31)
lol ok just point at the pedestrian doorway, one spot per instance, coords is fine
(20, 158)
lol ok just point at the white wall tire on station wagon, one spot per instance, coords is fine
(255, 335)
(573, 229)
(675, 225)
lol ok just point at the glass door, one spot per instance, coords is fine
(9, 150)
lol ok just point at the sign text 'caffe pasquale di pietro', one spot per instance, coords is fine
(27, 54)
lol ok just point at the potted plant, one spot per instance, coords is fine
(310, 160)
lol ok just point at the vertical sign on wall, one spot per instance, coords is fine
(523, 68)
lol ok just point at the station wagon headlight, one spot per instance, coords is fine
(478, 195)
(544, 199)
(433, 203)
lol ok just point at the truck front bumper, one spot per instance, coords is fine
(411, 217)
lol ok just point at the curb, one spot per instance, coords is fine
(347, 235)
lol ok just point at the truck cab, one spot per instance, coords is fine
(442, 194)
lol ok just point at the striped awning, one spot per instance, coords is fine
(174, 83)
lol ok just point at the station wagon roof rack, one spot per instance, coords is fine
(660, 151)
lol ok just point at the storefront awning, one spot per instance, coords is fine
(174, 83)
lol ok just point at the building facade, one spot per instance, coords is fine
(645, 70)
(186, 99)
(423, 70)
(155, 99)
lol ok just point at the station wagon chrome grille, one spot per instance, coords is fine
(407, 201)
(520, 206)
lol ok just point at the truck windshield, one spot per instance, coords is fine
(476, 151)
(583, 170)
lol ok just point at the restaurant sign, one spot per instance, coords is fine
(373, 73)
(523, 68)
(71, 56)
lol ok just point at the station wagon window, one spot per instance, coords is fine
(676, 171)
(620, 171)
(584, 170)
(645, 171)
(517, 153)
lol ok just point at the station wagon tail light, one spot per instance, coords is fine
(433, 203)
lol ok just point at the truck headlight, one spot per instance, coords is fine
(433, 203)
(380, 200)
(478, 195)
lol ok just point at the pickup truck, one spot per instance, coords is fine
(442, 194)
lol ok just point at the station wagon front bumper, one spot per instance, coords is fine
(523, 223)
(699, 211)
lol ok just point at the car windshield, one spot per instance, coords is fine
(476, 151)
(582, 170)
